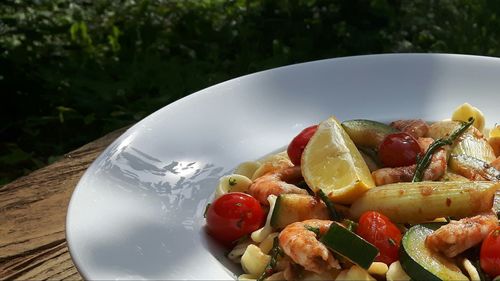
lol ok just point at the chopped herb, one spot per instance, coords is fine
(232, 181)
(275, 251)
(334, 215)
(350, 225)
(313, 229)
(303, 185)
(424, 161)
(206, 210)
(238, 204)
(392, 242)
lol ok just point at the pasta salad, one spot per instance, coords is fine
(364, 200)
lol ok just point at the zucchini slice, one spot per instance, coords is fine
(367, 133)
(290, 208)
(351, 246)
(420, 263)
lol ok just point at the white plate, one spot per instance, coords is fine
(137, 213)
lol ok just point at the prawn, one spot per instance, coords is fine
(416, 127)
(435, 171)
(299, 242)
(276, 183)
(457, 236)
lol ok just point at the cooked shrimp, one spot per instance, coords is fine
(435, 171)
(457, 236)
(416, 127)
(298, 240)
(276, 183)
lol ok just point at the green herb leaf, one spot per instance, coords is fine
(334, 215)
(350, 225)
(275, 252)
(232, 181)
(391, 242)
(313, 229)
(425, 160)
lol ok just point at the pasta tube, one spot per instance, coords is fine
(425, 201)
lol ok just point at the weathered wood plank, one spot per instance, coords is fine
(33, 213)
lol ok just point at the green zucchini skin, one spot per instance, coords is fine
(351, 246)
(367, 133)
(414, 257)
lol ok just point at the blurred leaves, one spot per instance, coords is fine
(72, 70)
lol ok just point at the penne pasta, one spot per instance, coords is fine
(426, 201)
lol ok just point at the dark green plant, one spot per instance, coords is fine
(70, 71)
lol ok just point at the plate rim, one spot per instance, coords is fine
(205, 91)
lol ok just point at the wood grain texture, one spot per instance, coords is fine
(33, 214)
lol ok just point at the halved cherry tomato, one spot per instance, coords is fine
(399, 149)
(297, 145)
(378, 229)
(234, 215)
(490, 253)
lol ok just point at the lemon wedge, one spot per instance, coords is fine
(465, 111)
(332, 163)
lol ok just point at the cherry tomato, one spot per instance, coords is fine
(297, 145)
(234, 215)
(490, 253)
(399, 149)
(382, 233)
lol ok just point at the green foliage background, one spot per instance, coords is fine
(72, 70)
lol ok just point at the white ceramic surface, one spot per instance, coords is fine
(137, 213)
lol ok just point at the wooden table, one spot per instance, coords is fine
(33, 215)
